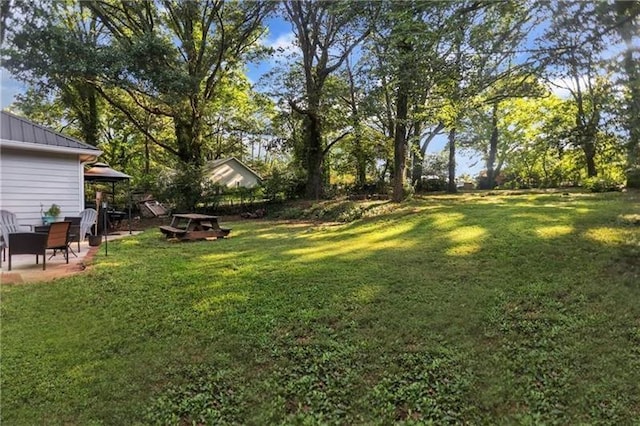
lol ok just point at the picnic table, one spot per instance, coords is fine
(194, 226)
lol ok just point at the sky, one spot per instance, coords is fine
(279, 36)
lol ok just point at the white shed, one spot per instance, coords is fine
(231, 173)
(38, 167)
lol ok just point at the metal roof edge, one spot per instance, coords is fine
(44, 129)
(30, 146)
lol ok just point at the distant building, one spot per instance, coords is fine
(232, 173)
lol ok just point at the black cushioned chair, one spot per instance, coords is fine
(74, 230)
(38, 243)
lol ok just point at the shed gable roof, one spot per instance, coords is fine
(18, 129)
(214, 164)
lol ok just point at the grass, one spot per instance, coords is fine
(460, 309)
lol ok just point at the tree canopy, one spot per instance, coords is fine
(545, 94)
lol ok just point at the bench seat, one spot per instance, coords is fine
(171, 231)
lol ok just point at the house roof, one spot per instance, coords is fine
(20, 132)
(214, 164)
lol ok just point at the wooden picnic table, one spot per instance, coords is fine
(194, 226)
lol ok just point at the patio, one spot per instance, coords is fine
(25, 270)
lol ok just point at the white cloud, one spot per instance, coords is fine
(562, 86)
(284, 44)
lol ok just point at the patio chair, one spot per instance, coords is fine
(38, 243)
(74, 230)
(87, 221)
(8, 225)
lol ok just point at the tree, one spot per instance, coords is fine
(170, 59)
(574, 50)
(627, 15)
(326, 33)
(407, 56)
(51, 47)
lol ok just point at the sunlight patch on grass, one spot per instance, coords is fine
(605, 235)
(541, 217)
(361, 246)
(467, 239)
(217, 257)
(217, 303)
(357, 249)
(269, 236)
(467, 233)
(107, 265)
(447, 220)
(464, 249)
(366, 293)
(130, 242)
(548, 232)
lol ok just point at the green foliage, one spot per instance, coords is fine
(53, 211)
(419, 387)
(601, 184)
(183, 188)
(633, 177)
(206, 395)
(342, 211)
(283, 184)
(408, 191)
(332, 211)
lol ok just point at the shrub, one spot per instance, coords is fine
(282, 185)
(601, 184)
(633, 177)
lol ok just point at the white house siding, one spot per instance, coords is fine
(232, 174)
(29, 179)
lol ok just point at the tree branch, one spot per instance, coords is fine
(335, 141)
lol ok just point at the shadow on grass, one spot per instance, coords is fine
(459, 310)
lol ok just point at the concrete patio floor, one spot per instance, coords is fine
(25, 270)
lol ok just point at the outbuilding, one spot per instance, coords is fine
(232, 173)
(40, 167)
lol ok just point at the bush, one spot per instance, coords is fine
(283, 185)
(633, 177)
(183, 189)
(408, 191)
(431, 185)
(601, 184)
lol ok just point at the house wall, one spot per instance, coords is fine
(232, 175)
(31, 178)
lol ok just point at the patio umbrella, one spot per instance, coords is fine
(101, 172)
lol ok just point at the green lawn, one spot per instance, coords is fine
(465, 309)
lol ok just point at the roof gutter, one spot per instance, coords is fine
(84, 154)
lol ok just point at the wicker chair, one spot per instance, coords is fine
(38, 243)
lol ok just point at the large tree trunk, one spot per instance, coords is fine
(361, 161)
(400, 142)
(633, 120)
(417, 159)
(189, 178)
(590, 156)
(493, 148)
(451, 186)
(626, 8)
(314, 157)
